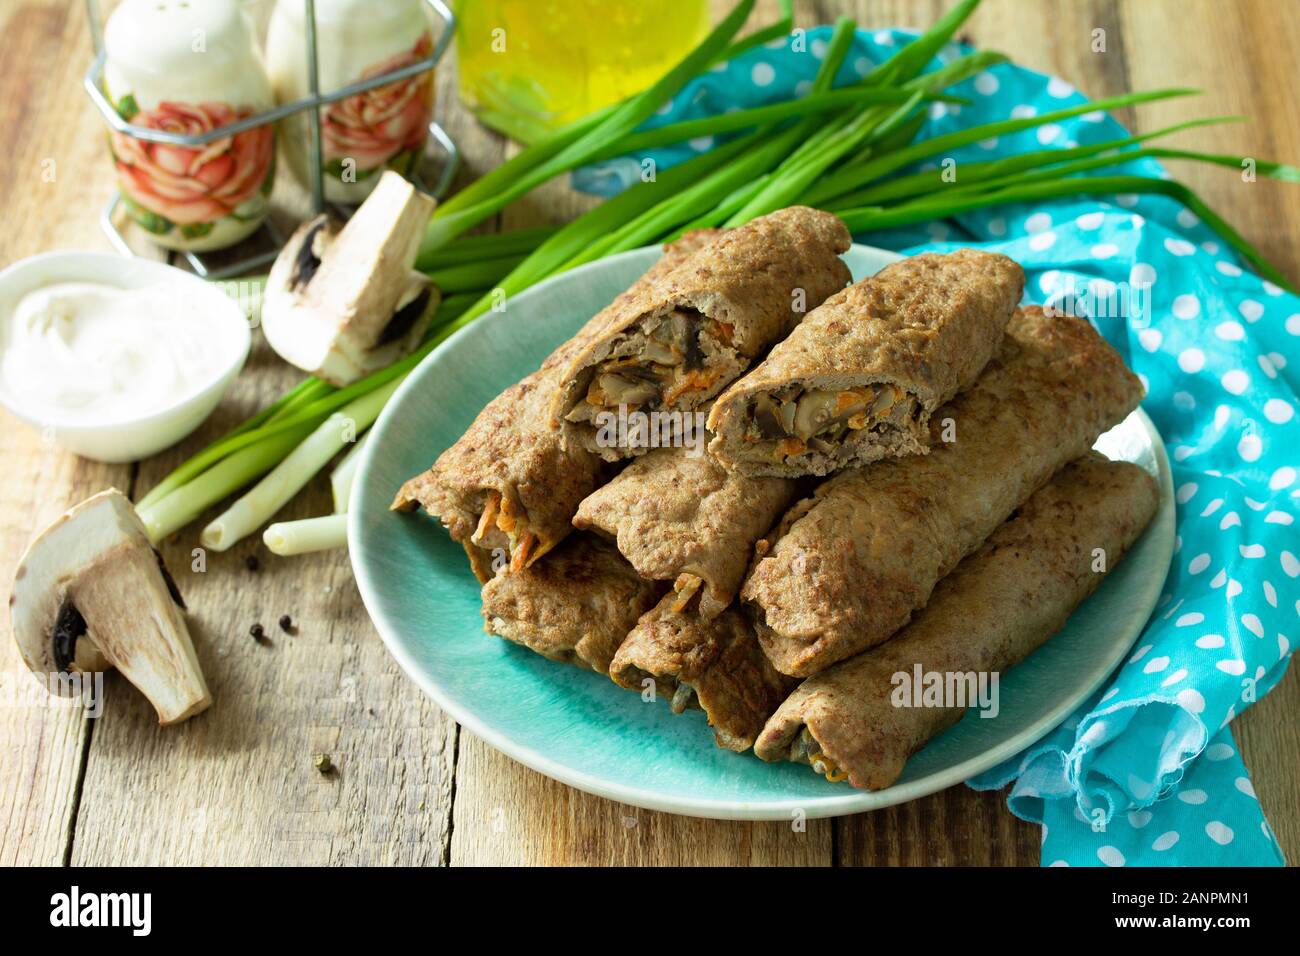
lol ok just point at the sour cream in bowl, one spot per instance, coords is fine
(114, 358)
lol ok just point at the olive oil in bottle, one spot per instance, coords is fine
(529, 66)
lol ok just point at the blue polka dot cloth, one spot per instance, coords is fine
(1145, 773)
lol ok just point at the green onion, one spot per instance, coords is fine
(288, 477)
(473, 275)
(927, 181)
(912, 58)
(345, 473)
(863, 220)
(287, 538)
(810, 105)
(620, 121)
(855, 174)
(173, 511)
(493, 245)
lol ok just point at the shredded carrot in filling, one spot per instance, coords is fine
(696, 380)
(723, 331)
(686, 585)
(519, 559)
(827, 769)
(508, 517)
(846, 400)
(502, 513)
(488, 518)
(787, 447)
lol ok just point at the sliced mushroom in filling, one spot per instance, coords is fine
(656, 365)
(797, 420)
(807, 750)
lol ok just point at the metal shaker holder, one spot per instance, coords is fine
(312, 102)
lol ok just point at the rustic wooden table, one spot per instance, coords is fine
(237, 785)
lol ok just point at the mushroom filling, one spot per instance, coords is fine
(682, 698)
(806, 749)
(797, 420)
(656, 365)
(504, 525)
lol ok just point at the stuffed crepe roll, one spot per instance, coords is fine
(576, 605)
(858, 379)
(997, 607)
(509, 486)
(678, 343)
(715, 665)
(847, 567)
(688, 520)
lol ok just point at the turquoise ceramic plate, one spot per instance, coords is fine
(578, 727)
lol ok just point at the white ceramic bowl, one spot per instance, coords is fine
(135, 438)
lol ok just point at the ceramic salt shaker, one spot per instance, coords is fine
(189, 66)
(362, 135)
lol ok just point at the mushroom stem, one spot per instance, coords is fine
(148, 640)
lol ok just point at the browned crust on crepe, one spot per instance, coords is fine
(746, 280)
(720, 660)
(576, 605)
(674, 517)
(907, 339)
(511, 460)
(997, 607)
(847, 567)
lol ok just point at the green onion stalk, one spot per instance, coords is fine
(846, 150)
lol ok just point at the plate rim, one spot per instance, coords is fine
(855, 801)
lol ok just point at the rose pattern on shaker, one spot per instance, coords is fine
(192, 187)
(371, 128)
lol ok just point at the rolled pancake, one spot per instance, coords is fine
(576, 605)
(716, 665)
(847, 567)
(859, 378)
(997, 607)
(678, 343)
(511, 483)
(687, 520)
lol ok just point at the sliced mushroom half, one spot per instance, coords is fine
(341, 303)
(91, 593)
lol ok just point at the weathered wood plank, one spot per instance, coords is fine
(506, 814)
(47, 204)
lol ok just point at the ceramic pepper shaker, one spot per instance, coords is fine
(189, 66)
(361, 136)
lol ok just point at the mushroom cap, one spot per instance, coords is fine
(91, 592)
(55, 559)
(332, 294)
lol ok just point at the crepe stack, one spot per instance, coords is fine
(776, 598)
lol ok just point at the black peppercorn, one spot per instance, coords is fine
(286, 623)
(257, 632)
(250, 562)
